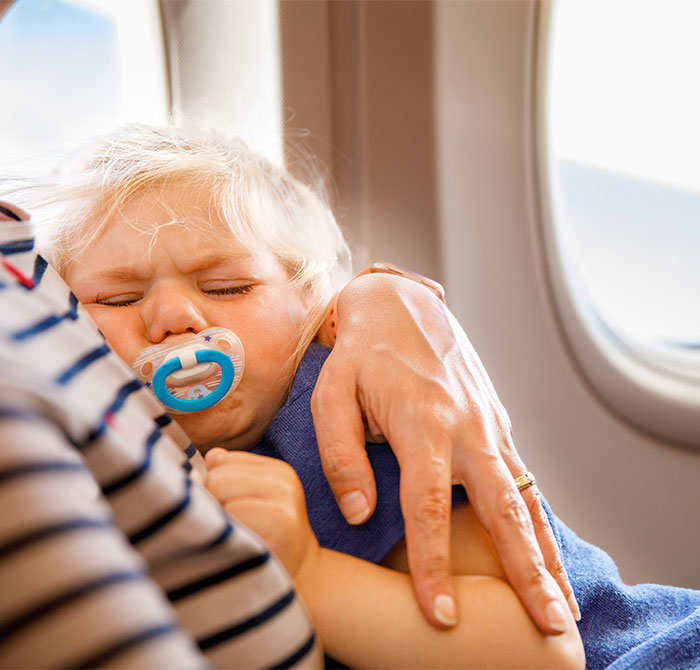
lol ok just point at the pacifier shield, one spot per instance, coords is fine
(194, 373)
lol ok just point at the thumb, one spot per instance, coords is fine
(340, 433)
(214, 456)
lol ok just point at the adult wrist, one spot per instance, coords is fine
(328, 332)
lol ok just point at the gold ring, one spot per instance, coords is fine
(525, 481)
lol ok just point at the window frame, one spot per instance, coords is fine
(646, 387)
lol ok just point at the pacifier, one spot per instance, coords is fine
(195, 373)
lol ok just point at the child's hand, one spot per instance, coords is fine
(266, 495)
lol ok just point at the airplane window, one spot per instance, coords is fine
(73, 69)
(622, 144)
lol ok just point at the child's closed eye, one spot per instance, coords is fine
(229, 290)
(118, 300)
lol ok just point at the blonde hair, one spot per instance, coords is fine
(262, 204)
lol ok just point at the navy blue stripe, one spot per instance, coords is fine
(50, 531)
(163, 420)
(94, 434)
(222, 576)
(17, 247)
(10, 213)
(294, 658)
(233, 631)
(66, 598)
(21, 413)
(190, 452)
(124, 392)
(222, 536)
(120, 647)
(33, 416)
(132, 476)
(40, 265)
(119, 399)
(166, 518)
(82, 363)
(48, 322)
(36, 468)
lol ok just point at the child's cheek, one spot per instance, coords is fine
(117, 330)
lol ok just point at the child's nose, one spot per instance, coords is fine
(172, 313)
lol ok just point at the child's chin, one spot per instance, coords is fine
(206, 432)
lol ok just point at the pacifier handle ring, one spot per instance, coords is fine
(203, 356)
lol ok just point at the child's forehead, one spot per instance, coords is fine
(124, 252)
(167, 204)
(184, 211)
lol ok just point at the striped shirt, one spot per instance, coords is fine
(112, 553)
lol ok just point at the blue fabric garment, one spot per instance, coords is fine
(642, 627)
(291, 437)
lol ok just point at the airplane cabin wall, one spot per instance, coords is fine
(632, 494)
(421, 115)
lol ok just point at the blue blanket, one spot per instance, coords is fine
(643, 627)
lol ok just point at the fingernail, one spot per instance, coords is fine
(575, 609)
(555, 616)
(445, 610)
(354, 507)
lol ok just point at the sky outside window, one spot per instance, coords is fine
(70, 69)
(59, 70)
(625, 137)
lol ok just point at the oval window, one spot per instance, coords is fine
(619, 142)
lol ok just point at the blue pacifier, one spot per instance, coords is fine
(193, 374)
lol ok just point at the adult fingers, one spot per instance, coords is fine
(503, 512)
(550, 548)
(543, 530)
(426, 491)
(340, 434)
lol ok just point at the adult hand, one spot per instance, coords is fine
(403, 369)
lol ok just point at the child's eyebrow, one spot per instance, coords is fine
(120, 273)
(135, 272)
(213, 259)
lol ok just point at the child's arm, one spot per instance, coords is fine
(366, 614)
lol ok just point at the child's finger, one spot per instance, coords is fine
(263, 479)
(214, 456)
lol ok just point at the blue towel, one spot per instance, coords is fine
(643, 627)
